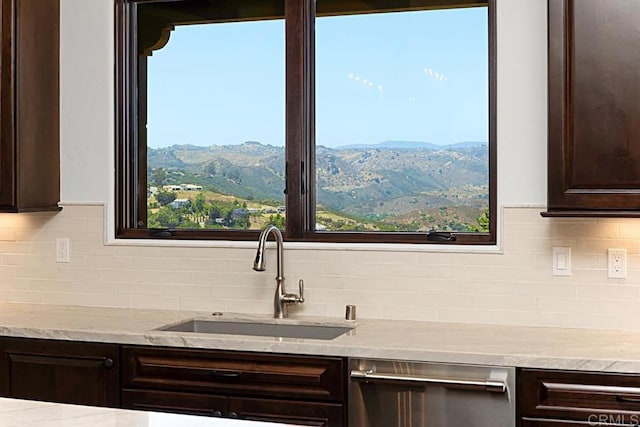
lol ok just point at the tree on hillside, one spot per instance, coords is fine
(483, 222)
(199, 204)
(170, 218)
(210, 169)
(159, 177)
(165, 197)
(277, 220)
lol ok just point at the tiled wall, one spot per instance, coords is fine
(513, 287)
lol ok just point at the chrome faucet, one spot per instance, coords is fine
(281, 299)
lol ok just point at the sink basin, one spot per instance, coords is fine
(318, 332)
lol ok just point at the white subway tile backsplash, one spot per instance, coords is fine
(186, 291)
(567, 305)
(128, 288)
(36, 273)
(202, 304)
(24, 296)
(106, 261)
(147, 301)
(27, 260)
(200, 264)
(511, 286)
(604, 292)
(155, 277)
(252, 306)
(44, 285)
(87, 287)
(7, 235)
(113, 275)
(79, 274)
(107, 300)
(65, 298)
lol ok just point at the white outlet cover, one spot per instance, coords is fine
(617, 263)
(62, 250)
(561, 261)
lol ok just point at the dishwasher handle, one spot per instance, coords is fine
(490, 385)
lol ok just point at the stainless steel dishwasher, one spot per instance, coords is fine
(385, 393)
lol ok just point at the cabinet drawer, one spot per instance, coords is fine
(174, 402)
(234, 373)
(579, 396)
(287, 412)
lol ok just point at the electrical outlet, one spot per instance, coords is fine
(62, 250)
(617, 263)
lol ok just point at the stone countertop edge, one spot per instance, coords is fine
(478, 344)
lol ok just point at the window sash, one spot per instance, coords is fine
(131, 149)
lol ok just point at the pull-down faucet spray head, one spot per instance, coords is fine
(260, 263)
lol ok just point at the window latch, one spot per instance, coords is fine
(302, 175)
(441, 236)
(161, 232)
(286, 176)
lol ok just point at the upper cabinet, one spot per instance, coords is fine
(594, 108)
(29, 105)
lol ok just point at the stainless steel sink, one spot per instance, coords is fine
(318, 332)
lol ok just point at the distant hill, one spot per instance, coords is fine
(386, 179)
(411, 145)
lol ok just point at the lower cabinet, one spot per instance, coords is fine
(60, 371)
(566, 398)
(299, 390)
(291, 389)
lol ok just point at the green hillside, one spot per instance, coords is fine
(386, 187)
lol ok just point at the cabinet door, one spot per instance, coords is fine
(61, 371)
(29, 105)
(594, 87)
(7, 112)
(288, 412)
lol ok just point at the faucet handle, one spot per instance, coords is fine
(301, 290)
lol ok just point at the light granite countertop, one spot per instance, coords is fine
(20, 413)
(533, 347)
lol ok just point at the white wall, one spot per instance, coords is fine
(87, 106)
(87, 102)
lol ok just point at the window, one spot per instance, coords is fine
(355, 122)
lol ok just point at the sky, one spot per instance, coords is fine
(410, 76)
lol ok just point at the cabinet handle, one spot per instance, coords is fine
(216, 413)
(621, 398)
(233, 415)
(108, 363)
(227, 375)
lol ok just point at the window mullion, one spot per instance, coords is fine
(300, 203)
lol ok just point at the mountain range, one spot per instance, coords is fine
(378, 180)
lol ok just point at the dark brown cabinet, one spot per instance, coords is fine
(29, 105)
(300, 390)
(565, 398)
(252, 386)
(60, 371)
(594, 108)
